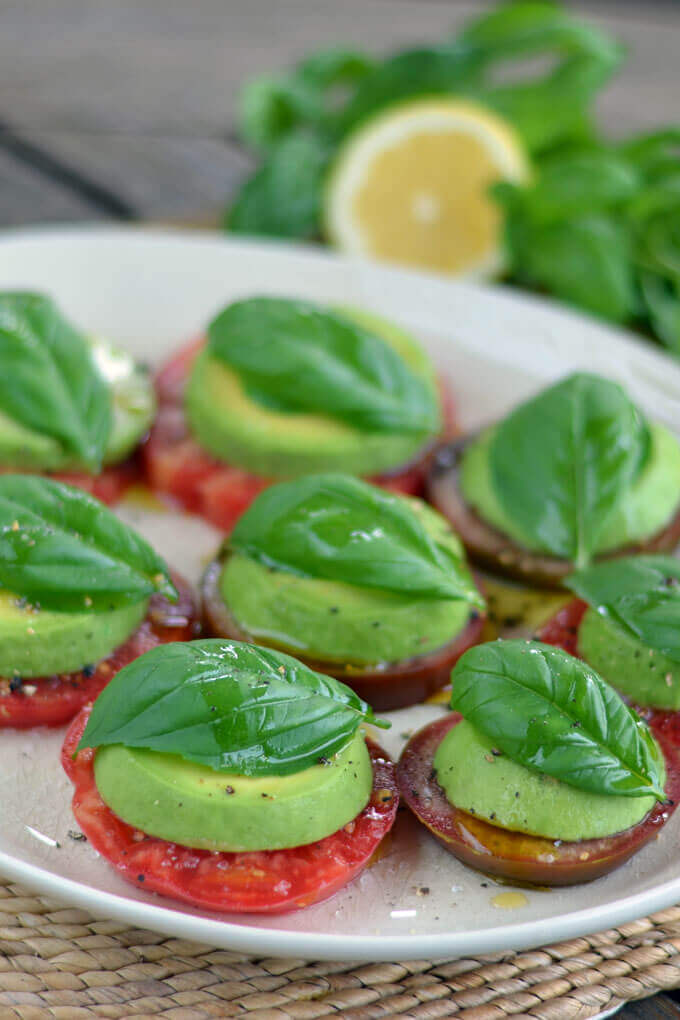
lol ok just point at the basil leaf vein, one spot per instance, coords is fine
(551, 713)
(342, 529)
(59, 546)
(48, 379)
(312, 359)
(639, 593)
(561, 462)
(230, 706)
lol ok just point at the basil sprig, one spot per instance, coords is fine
(48, 379)
(233, 707)
(298, 356)
(561, 462)
(552, 713)
(64, 549)
(641, 594)
(342, 529)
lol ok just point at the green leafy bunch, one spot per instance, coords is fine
(297, 120)
(599, 228)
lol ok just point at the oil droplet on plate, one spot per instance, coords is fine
(509, 900)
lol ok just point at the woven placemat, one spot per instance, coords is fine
(58, 962)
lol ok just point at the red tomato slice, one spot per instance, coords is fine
(110, 484)
(515, 855)
(266, 882)
(178, 467)
(562, 628)
(54, 700)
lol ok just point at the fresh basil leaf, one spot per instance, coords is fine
(562, 461)
(309, 358)
(553, 107)
(341, 529)
(283, 197)
(551, 713)
(661, 297)
(639, 593)
(233, 707)
(63, 548)
(48, 380)
(427, 70)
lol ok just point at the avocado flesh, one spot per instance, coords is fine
(237, 429)
(166, 796)
(643, 674)
(484, 784)
(647, 507)
(133, 409)
(41, 642)
(337, 622)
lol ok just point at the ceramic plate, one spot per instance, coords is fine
(150, 291)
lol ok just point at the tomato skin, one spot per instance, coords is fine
(562, 628)
(178, 467)
(263, 881)
(58, 698)
(533, 860)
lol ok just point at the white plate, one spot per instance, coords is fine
(150, 291)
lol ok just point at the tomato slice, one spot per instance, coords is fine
(498, 552)
(385, 687)
(110, 485)
(54, 700)
(264, 881)
(517, 856)
(562, 628)
(177, 466)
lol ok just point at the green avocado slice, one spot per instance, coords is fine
(336, 622)
(133, 406)
(241, 431)
(166, 796)
(648, 506)
(39, 642)
(500, 791)
(645, 675)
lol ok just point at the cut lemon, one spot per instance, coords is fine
(412, 186)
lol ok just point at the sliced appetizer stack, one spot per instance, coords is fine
(573, 474)
(70, 405)
(231, 777)
(542, 775)
(81, 595)
(366, 585)
(282, 388)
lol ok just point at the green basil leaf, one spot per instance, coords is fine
(661, 298)
(271, 106)
(639, 593)
(233, 707)
(551, 713)
(341, 529)
(48, 379)
(309, 358)
(283, 197)
(63, 548)
(562, 461)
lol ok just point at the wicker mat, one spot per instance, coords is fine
(59, 962)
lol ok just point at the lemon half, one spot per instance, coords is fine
(412, 187)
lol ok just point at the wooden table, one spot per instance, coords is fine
(123, 109)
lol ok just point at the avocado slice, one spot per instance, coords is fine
(643, 674)
(166, 796)
(648, 506)
(38, 642)
(133, 410)
(497, 789)
(336, 622)
(237, 429)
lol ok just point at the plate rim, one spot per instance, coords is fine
(252, 938)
